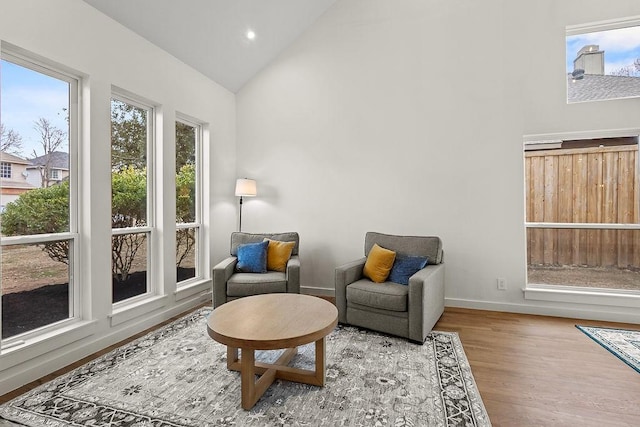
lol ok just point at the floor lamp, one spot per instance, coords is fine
(244, 188)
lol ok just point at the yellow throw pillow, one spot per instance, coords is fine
(379, 263)
(278, 254)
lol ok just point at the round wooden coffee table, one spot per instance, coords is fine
(269, 322)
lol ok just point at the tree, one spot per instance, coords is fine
(129, 198)
(129, 209)
(51, 138)
(185, 145)
(128, 184)
(10, 140)
(128, 136)
(632, 70)
(185, 189)
(32, 213)
(185, 211)
(185, 194)
(46, 210)
(40, 211)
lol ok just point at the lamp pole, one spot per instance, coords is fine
(240, 225)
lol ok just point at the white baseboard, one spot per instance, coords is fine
(571, 313)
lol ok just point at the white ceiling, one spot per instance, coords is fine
(210, 35)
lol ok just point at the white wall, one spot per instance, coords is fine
(408, 117)
(74, 34)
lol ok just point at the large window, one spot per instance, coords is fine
(39, 258)
(583, 213)
(188, 222)
(131, 207)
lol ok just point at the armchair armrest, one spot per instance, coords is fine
(426, 300)
(293, 274)
(346, 274)
(221, 273)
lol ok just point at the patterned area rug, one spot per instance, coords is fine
(177, 376)
(623, 343)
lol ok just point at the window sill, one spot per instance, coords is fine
(20, 351)
(192, 288)
(620, 298)
(139, 308)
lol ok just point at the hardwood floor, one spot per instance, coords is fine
(530, 370)
(543, 371)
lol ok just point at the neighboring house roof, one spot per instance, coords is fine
(593, 87)
(10, 158)
(59, 160)
(8, 183)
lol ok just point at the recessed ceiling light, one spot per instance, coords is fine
(251, 35)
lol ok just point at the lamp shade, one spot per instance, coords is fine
(245, 187)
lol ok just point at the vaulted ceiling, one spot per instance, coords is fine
(211, 35)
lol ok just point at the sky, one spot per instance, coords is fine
(25, 96)
(621, 47)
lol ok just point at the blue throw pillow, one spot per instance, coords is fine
(252, 257)
(406, 266)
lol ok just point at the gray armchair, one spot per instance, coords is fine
(228, 284)
(407, 311)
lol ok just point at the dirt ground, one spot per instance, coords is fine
(27, 267)
(591, 277)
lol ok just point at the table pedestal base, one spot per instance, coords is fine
(252, 390)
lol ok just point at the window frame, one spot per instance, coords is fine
(150, 228)
(594, 27)
(77, 312)
(197, 224)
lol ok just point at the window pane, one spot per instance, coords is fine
(34, 136)
(187, 261)
(603, 65)
(185, 173)
(129, 188)
(129, 133)
(186, 244)
(35, 286)
(129, 265)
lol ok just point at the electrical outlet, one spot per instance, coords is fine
(502, 284)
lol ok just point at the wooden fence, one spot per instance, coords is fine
(583, 185)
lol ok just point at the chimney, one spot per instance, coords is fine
(590, 59)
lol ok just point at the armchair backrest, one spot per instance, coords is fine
(429, 246)
(238, 238)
